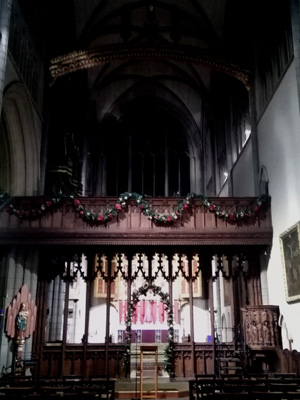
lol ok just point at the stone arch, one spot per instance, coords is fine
(20, 135)
(172, 106)
(263, 181)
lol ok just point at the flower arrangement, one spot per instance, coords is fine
(130, 311)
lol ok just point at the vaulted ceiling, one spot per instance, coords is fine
(149, 63)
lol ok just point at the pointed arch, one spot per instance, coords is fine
(263, 181)
(142, 291)
(19, 133)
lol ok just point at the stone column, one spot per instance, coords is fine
(5, 13)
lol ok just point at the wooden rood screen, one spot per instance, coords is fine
(98, 256)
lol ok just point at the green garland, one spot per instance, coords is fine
(37, 212)
(130, 311)
(122, 202)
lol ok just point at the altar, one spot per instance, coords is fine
(145, 336)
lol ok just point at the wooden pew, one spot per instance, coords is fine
(203, 386)
(72, 387)
(245, 388)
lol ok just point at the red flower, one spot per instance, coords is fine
(142, 207)
(212, 207)
(76, 202)
(256, 208)
(81, 213)
(185, 206)
(49, 203)
(100, 217)
(118, 207)
(169, 219)
(232, 216)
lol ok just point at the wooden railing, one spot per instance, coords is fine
(26, 220)
(57, 360)
(78, 360)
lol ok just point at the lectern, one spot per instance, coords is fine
(148, 352)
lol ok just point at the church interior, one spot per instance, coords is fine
(149, 186)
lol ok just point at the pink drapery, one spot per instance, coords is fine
(146, 312)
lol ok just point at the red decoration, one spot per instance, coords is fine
(76, 202)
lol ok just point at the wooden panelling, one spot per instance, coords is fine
(197, 226)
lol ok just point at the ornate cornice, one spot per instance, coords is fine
(68, 237)
(84, 59)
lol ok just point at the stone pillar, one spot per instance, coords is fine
(295, 23)
(5, 13)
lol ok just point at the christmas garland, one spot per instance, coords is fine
(130, 311)
(36, 212)
(122, 202)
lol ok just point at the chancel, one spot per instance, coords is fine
(149, 186)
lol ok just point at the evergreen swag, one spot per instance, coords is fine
(121, 204)
(156, 290)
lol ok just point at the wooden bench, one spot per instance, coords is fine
(244, 388)
(72, 386)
